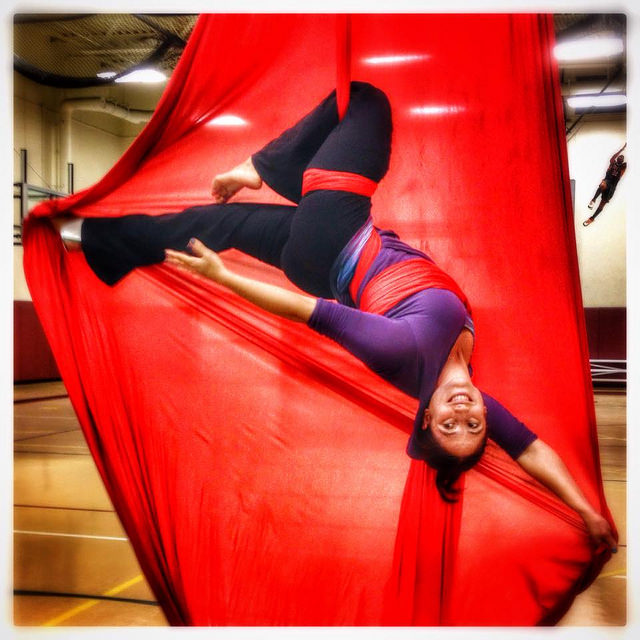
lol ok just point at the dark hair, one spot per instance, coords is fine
(620, 159)
(448, 467)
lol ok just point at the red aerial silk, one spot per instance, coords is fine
(260, 470)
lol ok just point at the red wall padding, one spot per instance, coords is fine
(607, 332)
(32, 357)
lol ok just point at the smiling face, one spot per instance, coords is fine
(456, 416)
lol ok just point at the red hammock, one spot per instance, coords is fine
(259, 469)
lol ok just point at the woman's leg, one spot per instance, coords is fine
(603, 202)
(602, 187)
(360, 143)
(115, 246)
(327, 219)
(281, 162)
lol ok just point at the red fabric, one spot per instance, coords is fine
(419, 592)
(258, 469)
(343, 62)
(313, 179)
(400, 280)
(367, 256)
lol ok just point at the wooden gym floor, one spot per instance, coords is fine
(73, 565)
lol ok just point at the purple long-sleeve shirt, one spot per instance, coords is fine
(409, 345)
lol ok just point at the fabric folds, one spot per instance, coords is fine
(259, 470)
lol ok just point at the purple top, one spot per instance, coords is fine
(409, 344)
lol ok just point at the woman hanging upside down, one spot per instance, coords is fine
(397, 311)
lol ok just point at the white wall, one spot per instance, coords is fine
(602, 245)
(97, 141)
(34, 117)
(94, 135)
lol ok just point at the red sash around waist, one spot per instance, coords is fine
(314, 179)
(398, 281)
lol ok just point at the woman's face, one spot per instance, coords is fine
(457, 417)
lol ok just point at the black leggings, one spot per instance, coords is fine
(304, 239)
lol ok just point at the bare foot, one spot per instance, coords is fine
(227, 184)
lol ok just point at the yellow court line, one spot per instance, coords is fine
(609, 574)
(90, 603)
(129, 583)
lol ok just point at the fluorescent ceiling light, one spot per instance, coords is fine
(146, 76)
(436, 110)
(599, 100)
(227, 121)
(105, 75)
(591, 48)
(395, 59)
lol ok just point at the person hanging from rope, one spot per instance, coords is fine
(396, 310)
(606, 189)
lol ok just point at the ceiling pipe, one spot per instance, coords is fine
(103, 105)
(96, 105)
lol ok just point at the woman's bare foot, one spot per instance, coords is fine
(227, 184)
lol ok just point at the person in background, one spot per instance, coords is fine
(606, 189)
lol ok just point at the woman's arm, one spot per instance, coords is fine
(274, 299)
(541, 462)
(617, 153)
(386, 346)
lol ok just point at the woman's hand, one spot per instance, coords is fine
(272, 298)
(600, 530)
(202, 260)
(545, 465)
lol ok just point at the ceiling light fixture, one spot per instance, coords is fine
(145, 76)
(597, 100)
(591, 48)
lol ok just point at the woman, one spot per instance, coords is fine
(398, 312)
(606, 189)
